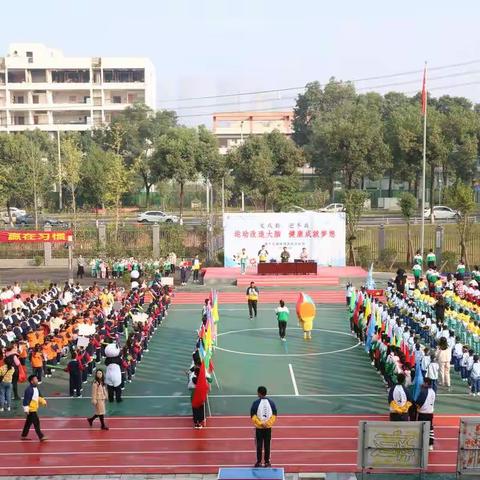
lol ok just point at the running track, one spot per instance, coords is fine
(141, 445)
(267, 296)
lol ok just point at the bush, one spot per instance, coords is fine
(364, 256)
(35, 287)
(387, 257)
(38, 260)
(449, 259)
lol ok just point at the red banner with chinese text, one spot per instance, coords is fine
(33, 236)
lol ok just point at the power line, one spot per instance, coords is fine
(365, 79)
(277, 99)
(289, 107)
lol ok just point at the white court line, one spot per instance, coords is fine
(292, 376)
(179, 452)
(306, 395)
(277, 427)
(319, 307)
(210, 439)
(314, 354)
(196, 465)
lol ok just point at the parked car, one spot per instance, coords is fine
(333, 207)
(441, 212)
(29, 219)
(17, 212)
(156, 216)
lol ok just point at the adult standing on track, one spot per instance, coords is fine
(32, 399)
(262, 255)
(252, 298)
(426, 406)
(263, 414)
(283, 314)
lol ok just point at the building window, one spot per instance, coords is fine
(72, 99)
(19, 120)
(116, 99)
(18, 99)
(35, 99)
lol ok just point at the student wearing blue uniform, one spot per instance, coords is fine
(263, 414)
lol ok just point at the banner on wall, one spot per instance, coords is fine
(322, 234)
(31, 236)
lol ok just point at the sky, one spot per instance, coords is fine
(218, 47)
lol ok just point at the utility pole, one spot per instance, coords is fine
(60, 197)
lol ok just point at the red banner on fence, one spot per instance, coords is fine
(29, 236)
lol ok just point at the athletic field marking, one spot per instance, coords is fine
(315, 354)
(196, 465)
(210, 439)
(292, 376)
(221, 309)
(303, 395)
(279, 427)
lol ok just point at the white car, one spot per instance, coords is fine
(333, 207)
(156, 216)
(17, 212)
(441, 212)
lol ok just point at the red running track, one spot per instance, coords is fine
(268, 296)
(168, 445)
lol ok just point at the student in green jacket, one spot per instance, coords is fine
(431, 258)
(418, 259)
(283, 315)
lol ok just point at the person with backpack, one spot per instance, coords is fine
(399, 400)
(263, 414)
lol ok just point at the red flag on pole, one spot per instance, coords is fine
(424, 92)
(201, 389)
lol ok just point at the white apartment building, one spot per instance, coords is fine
(41, 88)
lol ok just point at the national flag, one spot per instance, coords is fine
(201, 389)
(424, 92)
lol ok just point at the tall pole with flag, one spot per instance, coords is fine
(424, 163)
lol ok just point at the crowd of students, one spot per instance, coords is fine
(423, 329)
(39, 331)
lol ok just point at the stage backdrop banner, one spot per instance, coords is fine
(322, 234)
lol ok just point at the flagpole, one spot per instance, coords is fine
(422, 240)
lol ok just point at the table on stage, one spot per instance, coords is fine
(296, 268)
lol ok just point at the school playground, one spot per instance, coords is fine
(322, 388)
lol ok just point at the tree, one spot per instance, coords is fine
(117, 183)
(264, 164)
(354, 202)
(133, 134)
(460, 197)
(175, 157)
(408, 205)
(71, 169)
(93, 177)
(29, 153)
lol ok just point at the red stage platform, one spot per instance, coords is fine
(326, 276)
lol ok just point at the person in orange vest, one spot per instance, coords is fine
(36, 359)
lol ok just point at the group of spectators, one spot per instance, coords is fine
(104, 268)
(423, 329)
(38, 331)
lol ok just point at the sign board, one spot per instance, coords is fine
(468, 456)
(322, 234)
(393, 445)
(33, 236)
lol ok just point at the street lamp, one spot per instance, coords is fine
(241, 143)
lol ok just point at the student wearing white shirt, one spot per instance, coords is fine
(426, 406)
(475, 376)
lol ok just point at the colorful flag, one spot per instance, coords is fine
(201, 389)
(418, 380)
(214, 303)
(424, 91)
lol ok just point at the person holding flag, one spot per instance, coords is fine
(198, 384)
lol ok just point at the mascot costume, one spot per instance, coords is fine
(113, 375)
(306, 313)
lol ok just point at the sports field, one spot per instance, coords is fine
(331, 374)
(322, 388)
